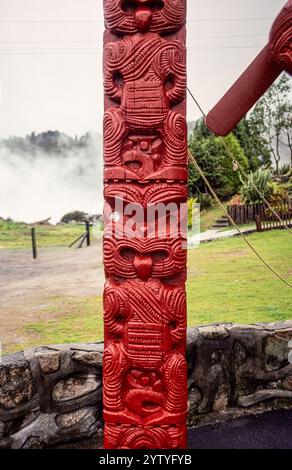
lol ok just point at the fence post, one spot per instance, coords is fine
(258, 223)
(33, 240)
(87, 225)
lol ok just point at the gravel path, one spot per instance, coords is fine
(210, 235)
(27, 285)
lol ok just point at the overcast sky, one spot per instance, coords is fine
(51, 58)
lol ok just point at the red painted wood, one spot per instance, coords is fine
(259, 76)
(145, 162)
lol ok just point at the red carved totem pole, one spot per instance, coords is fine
(145, 159)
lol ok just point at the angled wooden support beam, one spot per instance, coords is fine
(275, 58)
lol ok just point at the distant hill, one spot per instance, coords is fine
(49, 142)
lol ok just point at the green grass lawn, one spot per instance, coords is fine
(81, 322)
(226, 283)
(16, 235)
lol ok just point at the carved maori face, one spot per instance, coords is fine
(138, 258)
(132, 16)
(144, 392)
(142, 153)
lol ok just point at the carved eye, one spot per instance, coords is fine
(129, 5)
(118, 79)
(156, 4)
(159, 256)
(132, 5)
(170, 82)
(127, 254)
(173, 325)
(120, 318)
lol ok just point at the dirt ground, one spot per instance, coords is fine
(26, 284)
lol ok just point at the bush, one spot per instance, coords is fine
(261, 179)
(191, 203)
(76, 216)
(205, 200)
(284, 170)
(279, 193)
(236, 200)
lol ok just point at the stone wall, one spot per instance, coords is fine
(50, 396)
(238, 369)
(53, 395)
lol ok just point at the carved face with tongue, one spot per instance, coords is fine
(143, 17)
(132, 16)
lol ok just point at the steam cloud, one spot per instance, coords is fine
(35, 187)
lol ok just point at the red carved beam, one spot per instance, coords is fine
(145, 163)
(275, 58)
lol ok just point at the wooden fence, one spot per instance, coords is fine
(269, 221)
(246, 213)
(262, 215)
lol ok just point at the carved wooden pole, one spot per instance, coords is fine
(145, 160)
(258, 77)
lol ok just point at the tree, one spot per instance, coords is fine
(253, 144)
(76, 216)
(215, 162)
(272, 118)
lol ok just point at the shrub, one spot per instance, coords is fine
(205, 200)
(274, 192)
(284, 170)
(261, 179)
(279, 193)
(191, 203)
(76, 216)
(236, 200)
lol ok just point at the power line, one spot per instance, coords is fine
(211, 20)
(71, 41)
(229, 36)
(47, 53)
(51, 21)
(51, 49)
(224, 47)
(94, 50)
(207, 20)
